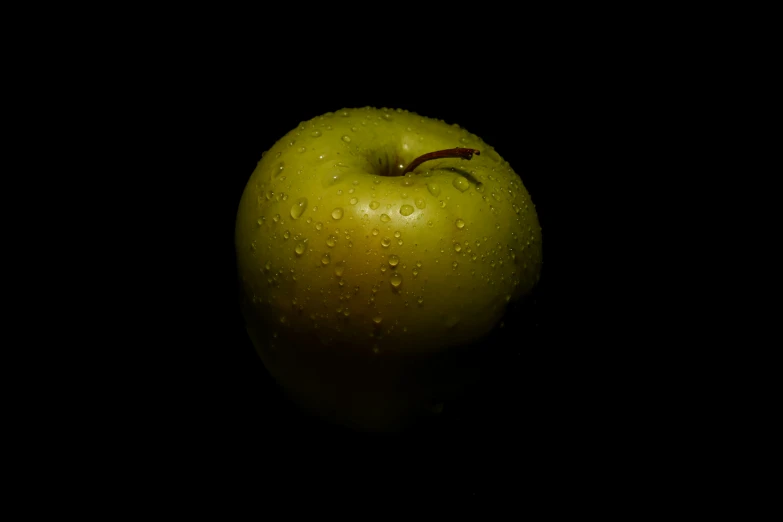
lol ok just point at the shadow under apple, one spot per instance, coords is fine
(480, 383)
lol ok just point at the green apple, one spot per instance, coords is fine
(360, 275)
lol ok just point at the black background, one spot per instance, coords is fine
(550, 378)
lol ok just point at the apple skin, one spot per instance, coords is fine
(360, 288)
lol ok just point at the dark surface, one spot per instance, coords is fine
(550, 392)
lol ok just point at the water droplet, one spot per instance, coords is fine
(325, 259)
(332, 178)
(377, 319)
(457, 247)
(315, 133)
(259, 221)
(300, 249)
(421, 203)
(354, 201)
(374, 231)
(397, 233)
(460, 224)
(269, 194)
(339, 269)
(276, 219)
(480, 187)
(386, 242)
(433, 188)
(396, 280)
(442, 204)
(454, 264)
(286, 234)
(406, 210)
(279, 169)
(394, 260)
(298, 208)
(301, 149)
(347, 139)
(374, 205)
(461, 184)
(319, 226)
(415, 272)
(385, 218)
(268, 266)
(420, 299)
(337, 214)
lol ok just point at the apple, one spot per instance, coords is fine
(372, 246)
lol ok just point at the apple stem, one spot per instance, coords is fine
(458, 152)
